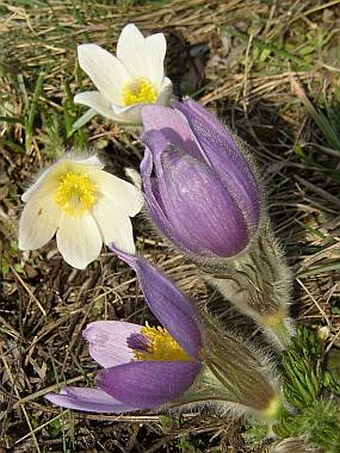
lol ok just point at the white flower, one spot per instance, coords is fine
(134, 77)
(84, 205)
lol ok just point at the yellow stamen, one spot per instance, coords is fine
(162, 346)
(75, 194)
(139, 91)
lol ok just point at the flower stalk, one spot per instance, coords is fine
(258, 283)
(236, 375)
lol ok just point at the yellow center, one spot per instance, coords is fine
(75, 193)
(161, 347)
(139, 91)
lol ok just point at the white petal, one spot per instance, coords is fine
(143, 57)
(165, 92)
(156, 49)
(106, 71)
(93, 161)
(121, 193)
(130, 48)
(131, 114)
(79, 240)
(46, 182)
(87, 165)
(129, 34)
(115, 226)
(97, 102)
(38, 222)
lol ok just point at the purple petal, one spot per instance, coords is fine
(203, 213)
(221, 152)
(151, 187)
(150, 383)
(108, 341)
(174, 128)
(157, 142)
(168, 304)
(89, 400)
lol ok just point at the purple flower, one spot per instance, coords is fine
(144, 367)
(147, 367)
(199, 187)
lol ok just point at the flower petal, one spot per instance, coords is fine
(92, 161)
(42, 186)
(155, 46)
(106, 71)
(88, 400)
(79, 240)
(97, 102)
(201, 211)
(114, 225)
(143, 57)
(153, 202)
(220, 151)
(150, 383)
(129, 47)
(38, 222)
(130, 114)
(165, 92)
(168, 304)
(122, 193)
(152, 177)
(169, 128)
(108, 341)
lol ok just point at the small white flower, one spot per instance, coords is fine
(84, 205)
(134, 77)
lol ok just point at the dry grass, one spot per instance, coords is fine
(255, 63)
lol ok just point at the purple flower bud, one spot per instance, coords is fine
(200, 190)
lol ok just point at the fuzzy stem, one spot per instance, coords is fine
(258, 283)
(235, 376)
(240, 370)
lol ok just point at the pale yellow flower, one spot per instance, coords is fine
(133, 78)
(84, 205)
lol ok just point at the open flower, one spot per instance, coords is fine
(145, 366)
(84, 205)
(200, 190)
(134, 77)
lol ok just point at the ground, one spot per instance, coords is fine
(270, 71)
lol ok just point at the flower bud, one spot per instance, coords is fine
(200, 190)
